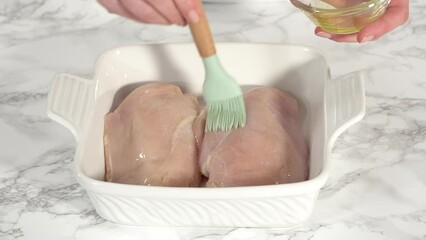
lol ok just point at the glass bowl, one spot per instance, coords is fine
(342, 16)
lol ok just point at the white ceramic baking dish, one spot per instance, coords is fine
(328, 107)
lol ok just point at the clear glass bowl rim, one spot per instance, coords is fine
(356, 8)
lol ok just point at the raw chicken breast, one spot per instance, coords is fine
(149, 139)
(268, 150)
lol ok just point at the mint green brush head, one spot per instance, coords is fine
(225, 102)
(223, 95)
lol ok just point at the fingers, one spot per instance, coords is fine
(143, 12)
(190, 9)
(336, 37)
(114, 6)
(395, 16)
(168, 10)
(156, 11)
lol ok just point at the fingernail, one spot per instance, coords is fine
(193, 16)
(367, 39)
(323, 34)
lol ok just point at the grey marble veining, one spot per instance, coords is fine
(377, 189)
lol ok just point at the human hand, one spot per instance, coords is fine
(396, 15)
(178, 12)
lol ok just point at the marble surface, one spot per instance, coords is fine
(377, 189)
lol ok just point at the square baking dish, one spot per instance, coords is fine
(327, 107)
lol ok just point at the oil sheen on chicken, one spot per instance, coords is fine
(269, 150)
(149, 139)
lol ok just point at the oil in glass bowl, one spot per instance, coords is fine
(342, 16)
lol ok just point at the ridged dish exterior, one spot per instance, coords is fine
(283, 212)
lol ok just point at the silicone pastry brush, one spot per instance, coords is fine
(223, 95)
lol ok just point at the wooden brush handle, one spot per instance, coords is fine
(202, 35)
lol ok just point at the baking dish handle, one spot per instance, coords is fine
(70, 100)
(345, 103)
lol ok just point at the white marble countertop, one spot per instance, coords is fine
(377, 189)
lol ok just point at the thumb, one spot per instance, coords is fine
(190, 9)
(394, 17)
